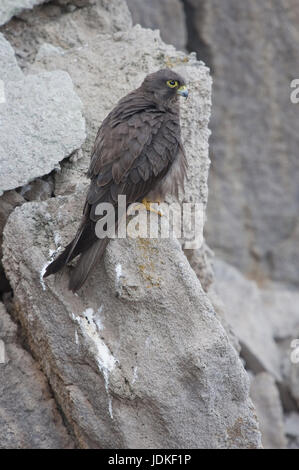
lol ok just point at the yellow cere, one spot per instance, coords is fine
(172, 83)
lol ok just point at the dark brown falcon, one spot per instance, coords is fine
(137, 153)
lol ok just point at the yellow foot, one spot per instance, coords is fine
(148, 206)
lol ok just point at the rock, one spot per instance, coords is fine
(280, 307)
(265, 397)
(266, 323)
(67, 29)
(48, 49)
(42, 124)
(201, 262)
(289, 354)
(29, 416)
(8, 202)
(167, 16)
(9, 69)
(9, 8)
(219, 308)
(253, 198)
(138, 357)
(39, 190)
(243, 310)
(291, 425)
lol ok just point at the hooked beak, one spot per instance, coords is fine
(183, 91)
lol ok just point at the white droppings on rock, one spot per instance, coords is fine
(57, 239)
(41, 276)
(98, 320)
(118, 276)
(76, 337)
(2, 92)
(105, 360)
(52, 254)
(135, 374)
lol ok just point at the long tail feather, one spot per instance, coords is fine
(84, 238)
(86, 262)
(59, 262)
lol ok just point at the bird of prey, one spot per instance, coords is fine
(137, 153)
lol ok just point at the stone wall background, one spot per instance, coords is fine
(253, 204)
(242, 308)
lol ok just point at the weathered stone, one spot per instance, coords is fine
(65, 29)
(265, 397)
(8, 202)
(219, 308)
(39, 190)
(201, 262)
(167, 16)
(9, 69)
(28, 414)
(147, 362)
(253, 198)
(243, 310)
(41, 124)
(289, 354)
(137, 358)
(9, 8)
(280, 307)
(291, 424)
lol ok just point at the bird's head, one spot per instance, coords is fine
(165, 86)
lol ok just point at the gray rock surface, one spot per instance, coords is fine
(41, 122)
(265, 397)
(8, 63)
(289, 354)
(167, 16)
(64, 28)
(29, 418)
(138, 358)
(253, 199)
(266, 323)
(8, 202)
(243, 310)
(9, 8)
(291, 424)
(39, 190)
(139, 352)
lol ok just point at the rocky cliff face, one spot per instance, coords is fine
(253, 204)
(253, 198)
(138, 358)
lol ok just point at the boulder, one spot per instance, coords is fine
(243, 310)
(291, 424)
(42, 122)
(265, 321)
(265, 397)
(137, 358)
(8, 202)
(9, 8)
(65, 27)
(29, 418)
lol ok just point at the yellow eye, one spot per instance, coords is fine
(172, 83)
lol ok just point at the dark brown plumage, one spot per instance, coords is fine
(138, 153)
